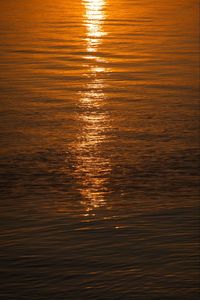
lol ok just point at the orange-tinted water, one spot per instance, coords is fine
(99, 147)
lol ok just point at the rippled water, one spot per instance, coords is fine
(99, 147)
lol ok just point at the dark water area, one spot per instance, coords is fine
(99, 170)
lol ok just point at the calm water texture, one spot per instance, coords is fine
(99, 148)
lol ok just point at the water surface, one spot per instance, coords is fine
(100, 149)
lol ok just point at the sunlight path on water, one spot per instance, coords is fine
(93, 167)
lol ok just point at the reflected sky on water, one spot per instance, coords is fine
(100, 149)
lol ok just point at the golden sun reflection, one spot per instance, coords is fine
(93, 164)
(94, 17)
